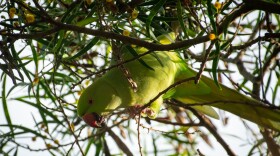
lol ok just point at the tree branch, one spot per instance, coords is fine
(119, 142)
(273, 147)
(206, 124)
(263, 5)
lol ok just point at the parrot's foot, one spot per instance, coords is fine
(149, 112)
(134, 110)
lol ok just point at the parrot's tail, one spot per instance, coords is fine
(232, 101)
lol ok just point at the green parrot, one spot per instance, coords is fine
(154, 73)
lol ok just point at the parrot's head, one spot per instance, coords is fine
(97, 101)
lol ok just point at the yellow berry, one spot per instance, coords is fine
(43, 126)
(87, 82)
(16, 24)
(79, 92)
(89, 2)
(56, 142)
(36, 80)
(33, 138)
(212, 36)
(72, 126)
(4, 31)
(134, 14)
(46, 130)
(12, 12)
(218, 5)
(48, 146)
(126, 32)
(30, 18)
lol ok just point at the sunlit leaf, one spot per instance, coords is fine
(5, 107)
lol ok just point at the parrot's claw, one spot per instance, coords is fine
(148, 112)
(134, 110)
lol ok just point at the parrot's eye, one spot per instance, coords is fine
(94, 120)
(90, 101)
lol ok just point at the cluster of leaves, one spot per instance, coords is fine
(55, 48)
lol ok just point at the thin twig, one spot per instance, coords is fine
(241, 68)
(259, 59)
(271, 58)
(119, 142)
(247, 44)
(172, 132)
(199, 153)
(66, 119)
(138, 134)
(213, 132)
(176, 123)
(273, 147)
(202, 65)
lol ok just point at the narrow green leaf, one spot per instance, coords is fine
(90, 142)
(47, 92)
(41, 109)
(85, 49)
(45, 42)
(226, 6)
(59, 43)
(154, 144)
(5, 106)
(135, 54)
(158, 59)
(25, 130)
(34, 53)
(86, 21)
(211, 16)
(180, 17)
(18, 61)
(215, 64)
(157, 27)
(149, 3)
(161, 18)
(38, 103)
(268, 83)
(274, 94)
(22, 66)
(15, 86)
(153, 12)
(191, 33)
(65, 77)
(70, 11)
(16, 151)
(226, 44)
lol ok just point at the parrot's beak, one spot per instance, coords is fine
(94, 120)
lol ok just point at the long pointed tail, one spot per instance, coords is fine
(232, 101)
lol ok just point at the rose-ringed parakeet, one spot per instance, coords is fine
(155, 72)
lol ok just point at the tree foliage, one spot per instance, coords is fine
(52, 49)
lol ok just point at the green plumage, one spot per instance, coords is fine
(113, 90)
